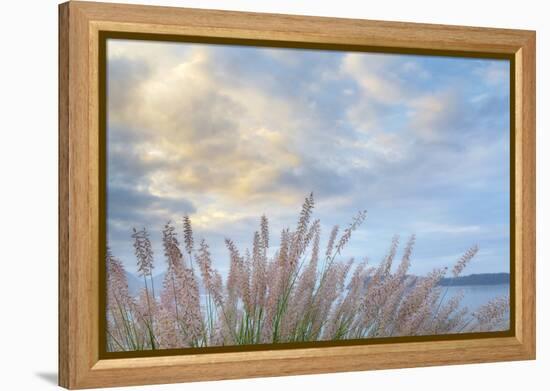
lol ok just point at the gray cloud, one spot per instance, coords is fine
(124, 78)
(132, 205)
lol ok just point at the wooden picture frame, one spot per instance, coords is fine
(80, 201)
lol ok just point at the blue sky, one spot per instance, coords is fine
(227, 133)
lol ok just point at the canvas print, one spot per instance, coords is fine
(260, 195)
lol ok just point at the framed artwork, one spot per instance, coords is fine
(248, 195)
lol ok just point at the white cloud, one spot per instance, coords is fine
(439, 228)
(495, 72)
(227, 140)
(430, 114)
(373, 75)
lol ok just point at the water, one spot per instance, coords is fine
(477, 295)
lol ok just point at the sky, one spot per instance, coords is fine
(226, 134)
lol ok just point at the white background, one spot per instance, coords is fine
(28, 194)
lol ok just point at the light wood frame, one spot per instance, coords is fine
(80, 365)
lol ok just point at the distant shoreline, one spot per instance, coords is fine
(477, 279)
(135, 283)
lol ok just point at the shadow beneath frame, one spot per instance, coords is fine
(49, 377)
